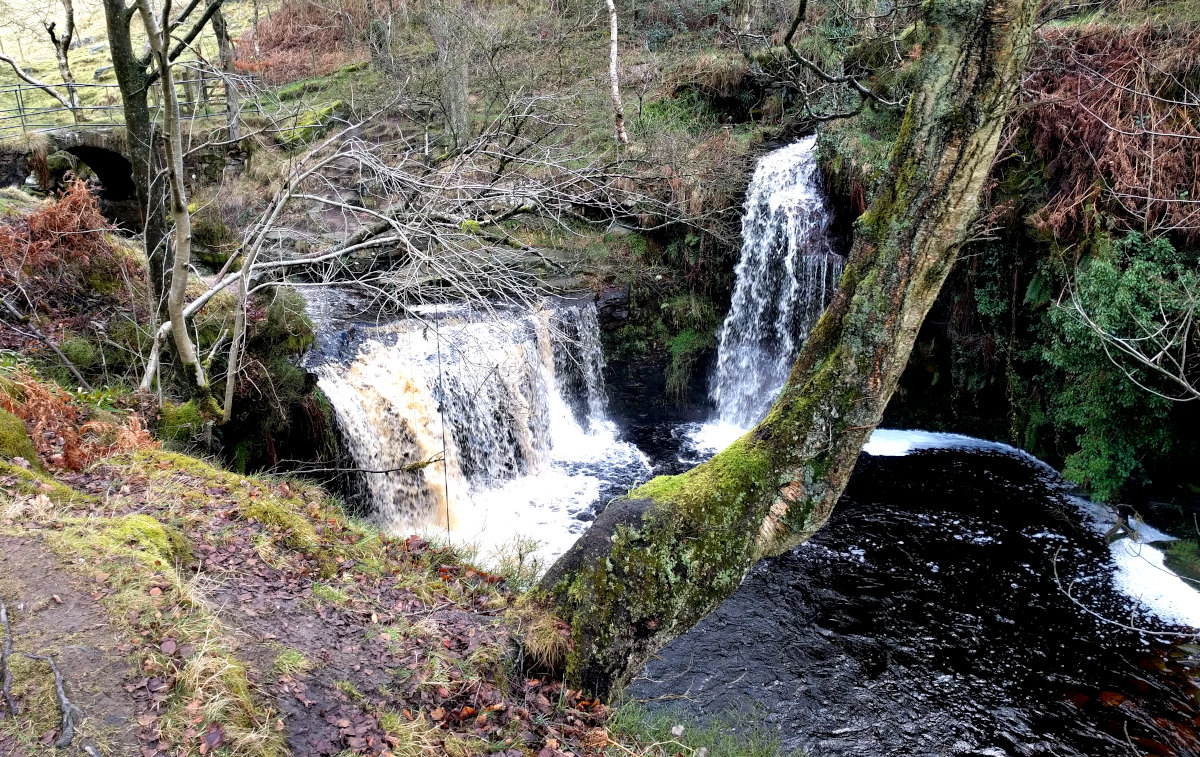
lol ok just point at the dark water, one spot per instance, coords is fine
(925, 619)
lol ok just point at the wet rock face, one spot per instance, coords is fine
(14, 168)
(612, 306)
(925, 618)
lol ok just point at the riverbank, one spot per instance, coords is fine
(193, 610)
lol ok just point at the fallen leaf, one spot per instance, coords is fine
(438, 713)
(214, 736)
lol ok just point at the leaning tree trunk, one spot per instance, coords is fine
(132, 81)
(659, 560)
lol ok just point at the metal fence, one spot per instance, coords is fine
(26, 108)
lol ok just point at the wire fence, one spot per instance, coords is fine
(26, 108)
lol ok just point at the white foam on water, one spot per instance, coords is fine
(711, 438)
(888, 442)
(1141, 573)
(1142, 576)
(534, 511)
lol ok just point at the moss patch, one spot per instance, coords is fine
(15, 441)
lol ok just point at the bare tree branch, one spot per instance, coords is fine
(22, 75)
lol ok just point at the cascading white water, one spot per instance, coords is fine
(492, 424)
(786, 277)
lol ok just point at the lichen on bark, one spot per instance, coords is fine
(658, 561)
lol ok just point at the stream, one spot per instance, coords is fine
(926, 618)
(960, 601)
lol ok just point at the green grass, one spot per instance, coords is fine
(290, 662)
(329, 594)
(737, 733)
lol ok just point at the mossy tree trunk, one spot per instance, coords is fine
(658, 561)
(225, 49)
(134, 80)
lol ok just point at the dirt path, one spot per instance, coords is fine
(52, 614)
(255, 619)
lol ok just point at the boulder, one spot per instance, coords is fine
(612, 305)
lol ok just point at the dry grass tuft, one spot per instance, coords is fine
(544, 639)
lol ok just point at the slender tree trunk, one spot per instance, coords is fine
(182, 237)
(234, 364)
(657, 562)
(62, 52)
(743, 13)
(140, 142)
(613, 78)
(256, 52)
(453, 57)
(226, 51)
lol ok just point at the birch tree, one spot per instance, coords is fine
(158, 36)
(613, 75)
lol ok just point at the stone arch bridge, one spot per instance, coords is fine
(103, 150)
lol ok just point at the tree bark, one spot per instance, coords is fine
(614, 82)
(658, 561)
(181, 252)
(62, 52)
(225, 49)
(140, 141)
(255, 25)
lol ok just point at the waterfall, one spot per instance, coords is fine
(490, 424)
(786, 277)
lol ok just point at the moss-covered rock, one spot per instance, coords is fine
(15, 441)
(186, 423)
(309, 125)
(287, 329)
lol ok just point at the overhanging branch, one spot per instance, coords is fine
(863, 91)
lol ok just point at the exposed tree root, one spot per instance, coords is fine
(5, 673)
(71, 714)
